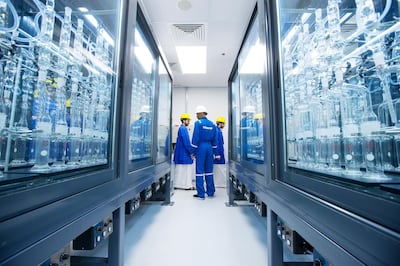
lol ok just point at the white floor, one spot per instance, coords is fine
(196, 232)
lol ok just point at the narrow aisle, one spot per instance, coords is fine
(196, 232)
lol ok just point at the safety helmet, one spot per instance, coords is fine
(145, 109)
(185, 116)
(249, 109)
(220, 119)
(258, 116)
(201, 109)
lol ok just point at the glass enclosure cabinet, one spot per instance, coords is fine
(142, 99)
(236, 140)
(164, 113)
(247, 107)
(340, 83)
(57, 83)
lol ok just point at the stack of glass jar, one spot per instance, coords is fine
(55, 89)
(342, 100)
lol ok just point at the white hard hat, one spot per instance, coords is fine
(249, 109)
(145, 109)
(201, 109)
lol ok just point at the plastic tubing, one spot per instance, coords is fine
(40, 6)
(385, 10)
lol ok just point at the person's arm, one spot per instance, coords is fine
(214, 141)
(186, 141)
(220, 143)
(195, 138)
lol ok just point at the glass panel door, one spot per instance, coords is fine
(57, 78)
(142, 101)
(340, 69)
(236, 141)
(164, 111)
(251, 67)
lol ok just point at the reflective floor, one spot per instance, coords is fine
(196, 232)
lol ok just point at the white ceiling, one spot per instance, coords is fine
(225, 24)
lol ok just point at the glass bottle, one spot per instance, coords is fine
(372, 152)
(22, 132)
(3, 18)
(47, 25)
(43, 126)
(59, 138)
(365, 14)
(353, 157)
(5, 112)
(388, 152)
(75, 130)
(369, 121)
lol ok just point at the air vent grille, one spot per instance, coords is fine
(187, 32)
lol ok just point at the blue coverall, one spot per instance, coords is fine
(183, 148)
(204, 143)
(141, 134)
(220, 147)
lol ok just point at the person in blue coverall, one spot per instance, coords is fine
(204, 143)
(183, 156)
(141, 134)
(219, 160)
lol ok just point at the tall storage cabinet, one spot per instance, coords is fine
(329, 103)
(69, 161)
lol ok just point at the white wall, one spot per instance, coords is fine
(185, 100)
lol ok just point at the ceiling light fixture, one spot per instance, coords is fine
(184, 5)
(192, 59)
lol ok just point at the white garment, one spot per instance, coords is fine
(183, 175)
(220, 175)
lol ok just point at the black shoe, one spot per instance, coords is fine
(197, 196)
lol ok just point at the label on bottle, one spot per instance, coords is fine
(349, 157)
(88, 132)
(3, 119)
(368, 127)
(370, 157)
(75, 130)
(379, 58)
(61, 129)
(321, 132)
(45, 127)
(307, 134)
(332, 131)
(349, 130)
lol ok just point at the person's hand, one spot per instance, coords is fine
(218, 157)
(192, 156)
